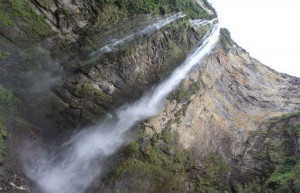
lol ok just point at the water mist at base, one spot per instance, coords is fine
(76, 164)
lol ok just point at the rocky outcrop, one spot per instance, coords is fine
(217, 131)
(236, 93)
(42, 46)
(80, 97)
(269, 145)
(65, 16)
(223, 114)
(222, 104)
(124, 76)
(87, 91)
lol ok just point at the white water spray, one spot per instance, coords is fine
(74, 168)
(202, 22)
(147, 30)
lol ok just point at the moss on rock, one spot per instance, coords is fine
(3, 54)
(281, 172)
(8, 113)
(18, 13)
(157, 163)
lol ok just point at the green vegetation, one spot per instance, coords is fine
(175, 54)
(182, 111)
(58, 103)
(3, 136)
(251, 187)
(215, 171)
(112, 14)
(8, 103)
(286, 177)
(164, 164)
(182, 94)
(142, 173)
(13, 12)
(3, 54)
(93, 100)
(224, 43)
(195, 86)
(296, 128)
(161, 163)
(281, 160)
(178, 47)
(226, 40)
(84, 89)
(87, 89)
(189, 7)
(287, 116)
(8, 113)
(34, 58)
(5, 19)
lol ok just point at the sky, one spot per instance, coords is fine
(268, 29)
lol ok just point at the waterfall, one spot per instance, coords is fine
(147, 30)
(202, 22)
(77, 164)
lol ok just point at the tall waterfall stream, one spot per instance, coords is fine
(73, 169)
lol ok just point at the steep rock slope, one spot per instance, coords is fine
(237, 93)
(216, 133)
(43, 46)
(217, 130)
(31, 60)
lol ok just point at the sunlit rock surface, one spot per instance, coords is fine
(237, 93)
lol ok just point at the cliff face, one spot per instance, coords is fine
(222, 126)
(237, 93)
(221, 108)
(217, 132)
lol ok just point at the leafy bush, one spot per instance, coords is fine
(212, 179)
(286, 177)
(5, 20)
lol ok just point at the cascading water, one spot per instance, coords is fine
(74, 168)
(148, 29)
(201, 22)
